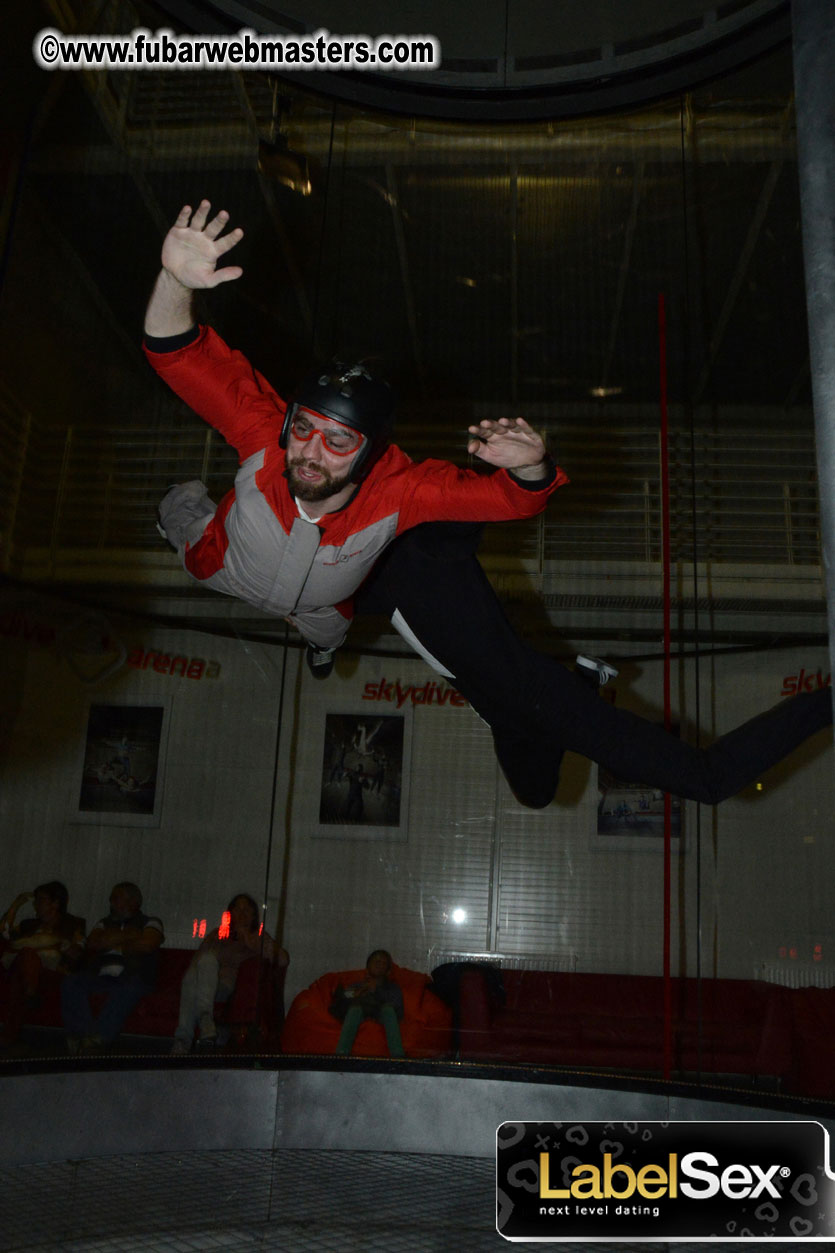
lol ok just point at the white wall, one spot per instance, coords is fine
(531, 882)
(213, 834)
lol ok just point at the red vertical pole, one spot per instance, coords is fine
(667, 600)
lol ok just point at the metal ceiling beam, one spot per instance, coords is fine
(112, 119)
(814, 61)
(118, 158)
(514, 285)
(728, 136)
(393, 197)
(623, 274)
(800, 381)
(746, 253)
(81, 278)
(275, 215)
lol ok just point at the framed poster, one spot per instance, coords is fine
(630, 815)
(123, 765)
(363, 790)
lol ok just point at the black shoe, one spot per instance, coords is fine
(594, 671)
(319, 661)
(532, 769)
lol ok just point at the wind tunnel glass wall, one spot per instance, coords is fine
(163, 733)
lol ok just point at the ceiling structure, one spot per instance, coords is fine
(521, 59)
(493, 267)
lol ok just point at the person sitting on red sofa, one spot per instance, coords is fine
(213, 972)
(376, 996)
(52, 940)
(121, 961)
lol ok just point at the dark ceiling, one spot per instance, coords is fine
(515, 265)
(521, 59)
(492, 267)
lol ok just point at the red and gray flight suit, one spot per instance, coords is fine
(255, 545)
(428, 580)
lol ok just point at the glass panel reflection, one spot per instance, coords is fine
(485, 271)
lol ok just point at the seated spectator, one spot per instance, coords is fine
(52, 940)
(375, 996)
(213, 972)
(120, 961)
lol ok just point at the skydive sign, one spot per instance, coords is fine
(714, 1181)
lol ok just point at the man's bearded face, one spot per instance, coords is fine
(310, 480)
(320, 453)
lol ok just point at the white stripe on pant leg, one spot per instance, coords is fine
(403, 629)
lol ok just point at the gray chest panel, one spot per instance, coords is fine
(293, 574)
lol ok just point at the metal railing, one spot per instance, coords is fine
(737, 497)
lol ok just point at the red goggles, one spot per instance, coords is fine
(336, 437)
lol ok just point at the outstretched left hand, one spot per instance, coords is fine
(509, 443)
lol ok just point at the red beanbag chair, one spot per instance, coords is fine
(426, 1027)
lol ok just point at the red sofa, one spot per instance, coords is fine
(256, 1007)
(729, 1026)
(812, 1022)
(426, 1028)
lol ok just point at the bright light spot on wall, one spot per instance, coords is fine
(759, 787)
(458, 916)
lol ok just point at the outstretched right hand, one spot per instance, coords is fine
(193, 247)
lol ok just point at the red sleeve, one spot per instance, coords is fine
(437, 491)
(220, 384)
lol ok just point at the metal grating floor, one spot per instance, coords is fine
(293, 1200)
(288, 1200)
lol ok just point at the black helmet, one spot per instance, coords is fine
(348, 394)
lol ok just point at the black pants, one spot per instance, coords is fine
(432, 577)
